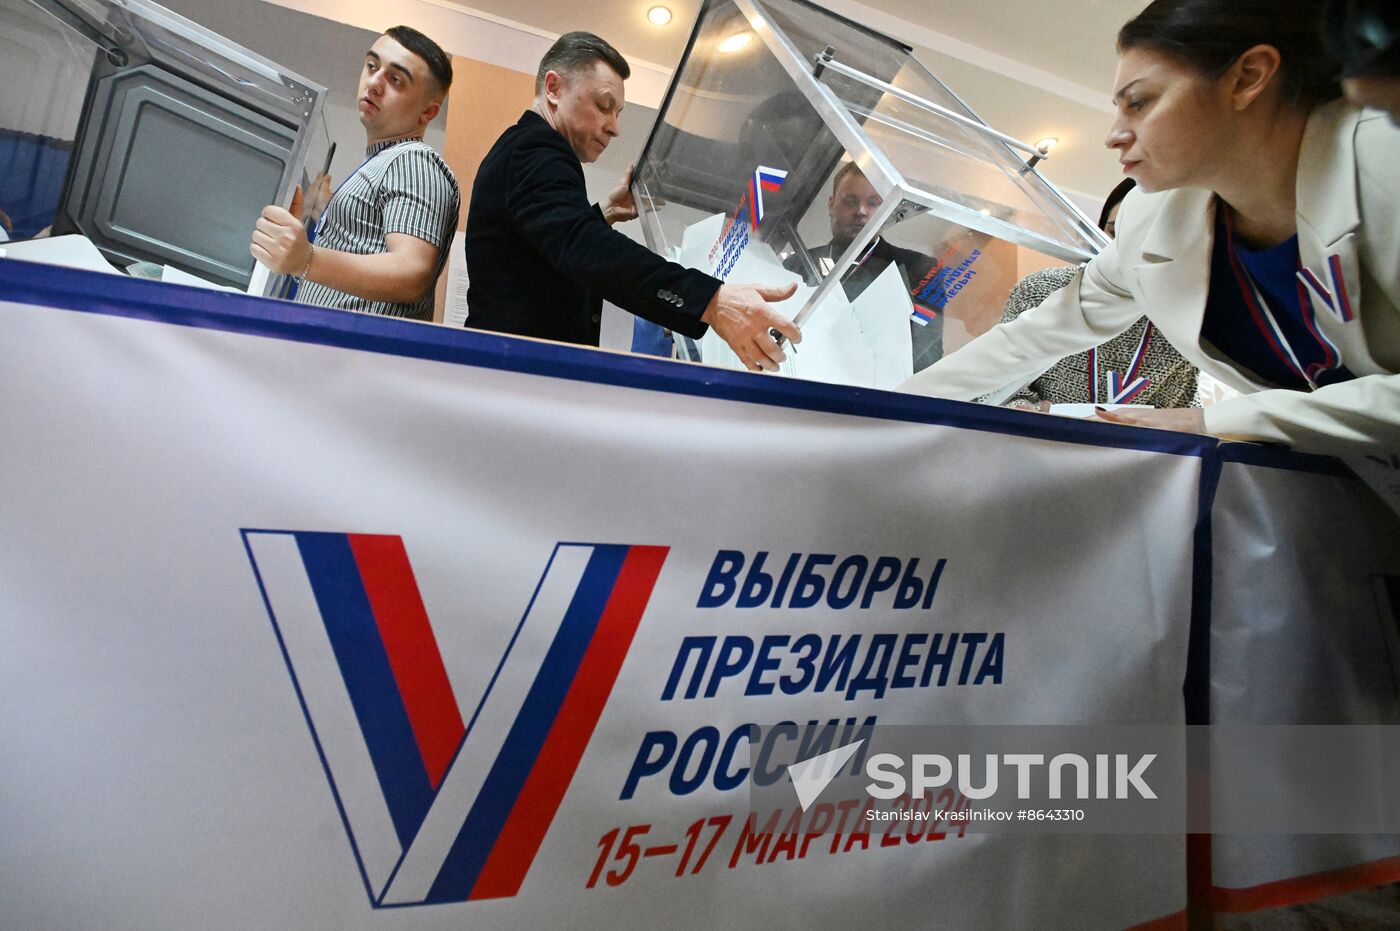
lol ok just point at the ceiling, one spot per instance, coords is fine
(1030, 68)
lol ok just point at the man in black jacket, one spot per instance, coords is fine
(540, 257)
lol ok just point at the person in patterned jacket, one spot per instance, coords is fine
(1137, 366)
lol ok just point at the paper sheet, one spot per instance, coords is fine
(454, 311)
(1087, 410)
(698, 239)
(867, 345)
(833, 348)
(882, 311)
(173, 275)
(73, 251)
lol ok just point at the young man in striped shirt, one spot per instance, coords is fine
(382, 241)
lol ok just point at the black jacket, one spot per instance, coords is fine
(541, 258)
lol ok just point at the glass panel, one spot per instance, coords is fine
(125, 83)
(951, 164)
(738, 164)
(731, 109)
(37, 129)
(923, 288)
(759, 170)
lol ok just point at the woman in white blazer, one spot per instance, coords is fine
(1263, 240)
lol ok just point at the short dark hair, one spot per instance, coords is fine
(1115, 197)
(438, 62)
(575, 50)
(1209, 35)
(845, 171)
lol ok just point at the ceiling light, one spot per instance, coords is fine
(735, 42)
(658, 15)
(1046, 144)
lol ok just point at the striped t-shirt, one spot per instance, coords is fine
(403, 187)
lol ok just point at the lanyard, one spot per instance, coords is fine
(1268, 324)
(830, 262)
(861, 261)
(1122, 388)
(325, 211)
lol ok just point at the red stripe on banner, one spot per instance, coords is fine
(1173, 922)
(772, 185)
(412, 648)
(1307, 888)
(543, 791)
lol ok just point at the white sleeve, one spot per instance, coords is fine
(1092, 309)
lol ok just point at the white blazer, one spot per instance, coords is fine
(1348, 206)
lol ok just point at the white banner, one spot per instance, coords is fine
(332, 622)
(1304, 630)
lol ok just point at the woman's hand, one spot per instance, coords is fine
(1181, 419)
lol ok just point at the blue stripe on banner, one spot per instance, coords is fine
(89, 292)
(369, 679)
(1277, 457)
(1196, 687)
(527, 735)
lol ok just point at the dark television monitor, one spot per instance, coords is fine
(184, 138)
(173, 173)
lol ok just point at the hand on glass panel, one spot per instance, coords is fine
(315, 202)
(620, 206)
(741, 316)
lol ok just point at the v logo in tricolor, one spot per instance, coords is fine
(440, 808)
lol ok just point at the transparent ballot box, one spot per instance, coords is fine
(154, 138)
(797, 146)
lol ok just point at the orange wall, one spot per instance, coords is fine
(485, 99)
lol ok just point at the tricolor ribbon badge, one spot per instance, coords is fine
(764, 179)
(1333, 295)
(1121, 391)
(446, 801)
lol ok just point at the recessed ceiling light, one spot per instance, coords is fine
(1046, 144)
(659, 15)
(735, 42)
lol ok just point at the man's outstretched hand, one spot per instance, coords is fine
(740, 314)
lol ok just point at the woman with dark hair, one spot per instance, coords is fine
(1262, 241)
(1108, 215)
